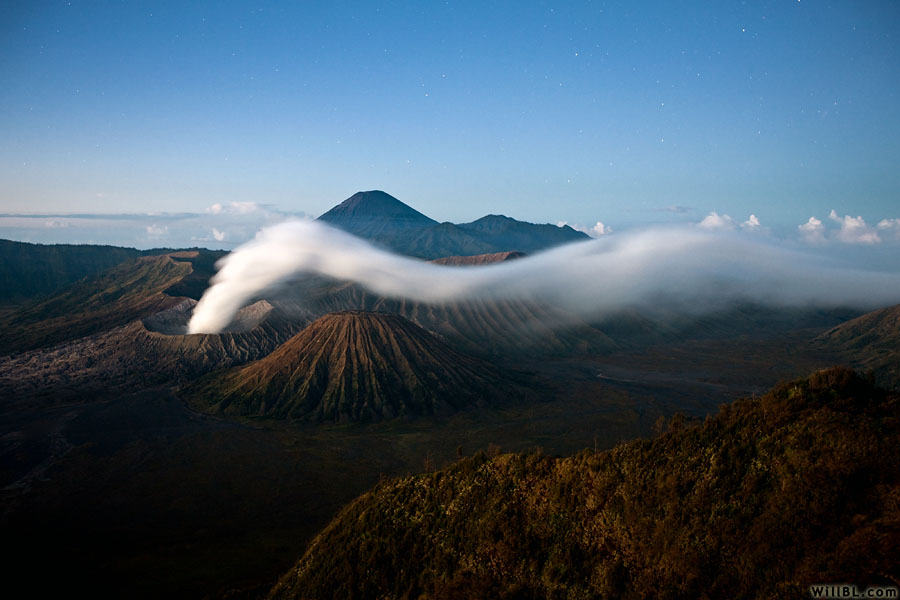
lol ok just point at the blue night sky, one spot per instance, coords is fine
(624, 112)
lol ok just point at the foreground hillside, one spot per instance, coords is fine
(799, 486)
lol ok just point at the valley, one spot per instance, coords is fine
(138, 459)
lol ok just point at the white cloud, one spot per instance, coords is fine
(813, 231)
(752, 223)
(242, 208)
(716, 222)
(854, 230)
(599, 229)
(218, 235)
(595, 231)
(157, 231)
(179, 230)
(234, 208)
(683, 269)
(55, 223)
(890, 225)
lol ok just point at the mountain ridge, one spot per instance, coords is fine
(386, 221)
(512, 234)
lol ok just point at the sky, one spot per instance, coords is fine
(143, 118)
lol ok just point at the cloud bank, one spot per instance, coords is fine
(854, 230)
(220, 226)
(689, 269)
(851, 230)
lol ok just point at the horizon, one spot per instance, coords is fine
(843, 239)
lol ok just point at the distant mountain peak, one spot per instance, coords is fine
(375, 213)
(374, 201)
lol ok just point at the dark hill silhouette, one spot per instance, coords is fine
(355, 366)
(31, 270)
(510, 234)
(776, 493)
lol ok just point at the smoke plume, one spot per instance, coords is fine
(677, 268)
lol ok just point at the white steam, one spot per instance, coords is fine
(688, 269)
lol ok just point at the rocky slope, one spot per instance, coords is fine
(353, 366)
(141, 353)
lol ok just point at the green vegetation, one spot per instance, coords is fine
(799, 486)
